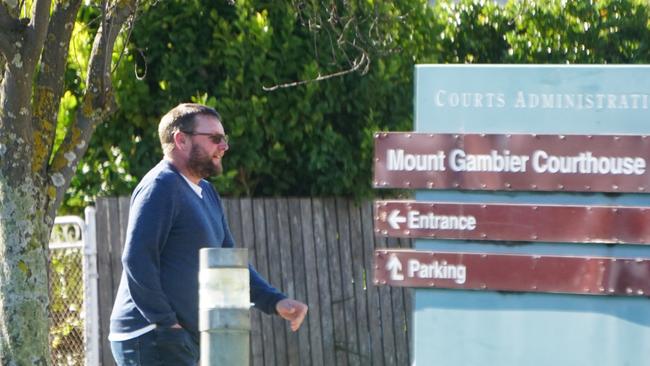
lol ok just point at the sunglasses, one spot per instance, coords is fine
(216, 138)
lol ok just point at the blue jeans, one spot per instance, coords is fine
(159, 347)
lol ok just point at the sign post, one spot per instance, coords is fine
(531, 215)
(224, 302)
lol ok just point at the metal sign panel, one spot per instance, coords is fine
(454, 327)
(513, 222)
(607, 99)
(507, 272)
(522, 162)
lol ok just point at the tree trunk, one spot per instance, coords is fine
(23, 232)
(23, 275)
(33, 177)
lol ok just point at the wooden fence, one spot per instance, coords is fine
(316, 250)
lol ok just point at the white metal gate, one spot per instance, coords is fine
(74, 319)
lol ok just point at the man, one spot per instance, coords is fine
(174, 213)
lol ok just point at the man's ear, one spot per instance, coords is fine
(180, 140)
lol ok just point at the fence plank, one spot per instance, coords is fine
(284, 248)
(408, 304)
(124, 204)
(320, 241)
(113, 242)
(117, 247)
(234, 219)
(105, 277)
(288, 278)
(401, 339)
(359, 269)
(302, 215)
(262, 267)
(248, 241)
(387, 324)
(334, 259)
(374, 306)
(347, 281)
(275, 276)
(298, 342)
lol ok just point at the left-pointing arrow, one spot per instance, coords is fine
(394, 219)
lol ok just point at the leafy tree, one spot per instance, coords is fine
(544, 31)
(303, 85)
(34, 171)
(349, 66)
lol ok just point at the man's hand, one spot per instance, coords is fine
(293, 311)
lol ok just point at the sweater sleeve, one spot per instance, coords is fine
(263, 295)
(150, 220)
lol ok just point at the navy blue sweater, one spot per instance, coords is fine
(168, 224)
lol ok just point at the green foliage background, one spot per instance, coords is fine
(316, 139)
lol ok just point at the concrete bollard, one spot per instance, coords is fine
(224, 303)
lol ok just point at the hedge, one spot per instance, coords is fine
(316, 138)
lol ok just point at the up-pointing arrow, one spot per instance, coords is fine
(394, 266)
(394, 219)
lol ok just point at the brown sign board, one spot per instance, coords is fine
(513, 222)
(521, 162)
(509, 272)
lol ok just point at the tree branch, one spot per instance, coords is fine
(97, 103)
(364, 60)
(50, 83)
(7, 21)
(339, 38)
(36, 32)
(2, 68)
(5, 46)
(40, 14)
(99, 85)
(9, 28)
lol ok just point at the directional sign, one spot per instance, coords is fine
(513, 222)
(507, 272)
(580, 163)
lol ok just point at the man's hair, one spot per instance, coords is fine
(181, 118)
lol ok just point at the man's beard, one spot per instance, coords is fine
(200, 164)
